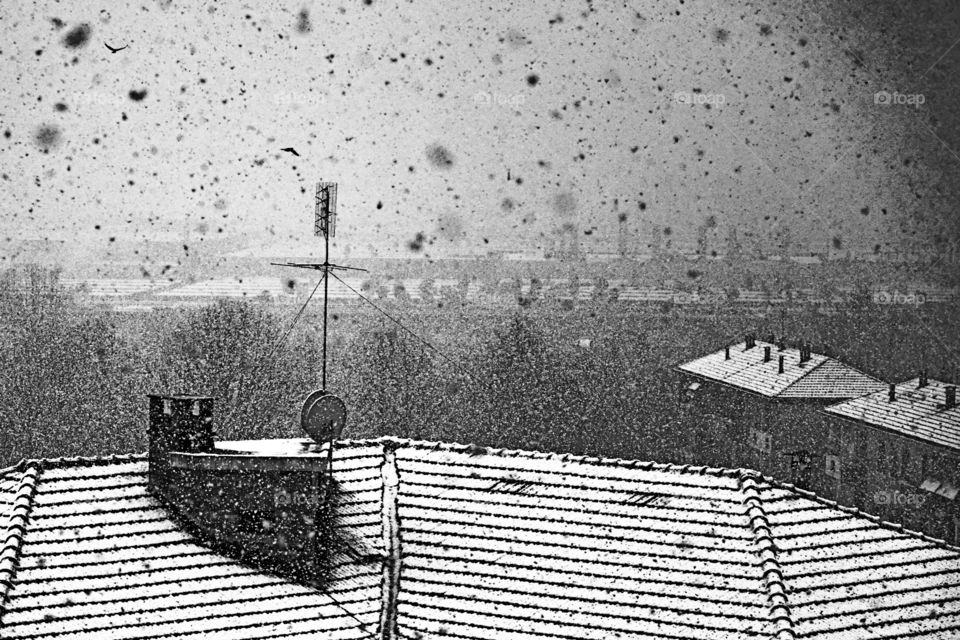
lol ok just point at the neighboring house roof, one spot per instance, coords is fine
(491, 543)
(918, 412)
(818, 377)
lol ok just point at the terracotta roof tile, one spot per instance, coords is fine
(103, 559)
(916, 412)
(819, 377)
(491, 543)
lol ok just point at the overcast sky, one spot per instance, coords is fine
(480, 125)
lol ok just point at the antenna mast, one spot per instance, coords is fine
(324, 223)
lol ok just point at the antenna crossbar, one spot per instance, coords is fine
(318, 266)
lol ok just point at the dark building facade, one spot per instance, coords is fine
(759, 404)
(897, 454)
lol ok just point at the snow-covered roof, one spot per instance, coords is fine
(819, 377)
(918, 412)
(477, 543)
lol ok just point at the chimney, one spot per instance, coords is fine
(726, 354)
(780, 370)
(771, 338)
(951, 397)
(766, 354)
(782, 344)
(180, 423)
(923, 379)
(892, 394)
(750, 340)
(804, 353)
(255, 504)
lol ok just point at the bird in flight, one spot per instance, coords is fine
(114, 49)
(291, 150)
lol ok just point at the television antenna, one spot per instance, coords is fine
(324, 223)
(323, 414)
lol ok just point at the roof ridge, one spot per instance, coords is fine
(15, 530)
(628, 463)
(14, 468)
(807, 372)
(854, 511)
(776, 590)
(81, 461)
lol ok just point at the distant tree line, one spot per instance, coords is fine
(74, 379)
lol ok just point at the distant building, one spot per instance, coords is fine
(897, 454)
(758, 404)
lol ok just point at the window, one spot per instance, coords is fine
(832, 466)
(760, 440)
(689, 391)
(861, 440)
(905, 462)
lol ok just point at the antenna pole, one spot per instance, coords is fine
(326, 283)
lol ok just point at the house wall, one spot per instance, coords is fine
(877, 471)
(724, 426)
(883, 472)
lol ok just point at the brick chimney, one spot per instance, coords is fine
(780, 368)
(271, 506)
(892, 393)
(726, 354)
(950, 396)
(922, 382)
(766, 354)
(750, 341)
(177, 423)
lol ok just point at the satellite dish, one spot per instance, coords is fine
(308, 402)
(323, 416)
